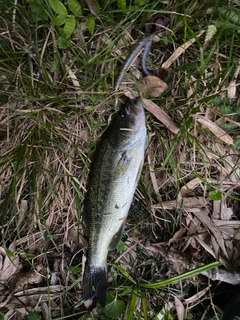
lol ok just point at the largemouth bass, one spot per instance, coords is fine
(112, 181)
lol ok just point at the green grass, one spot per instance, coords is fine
(49, 127)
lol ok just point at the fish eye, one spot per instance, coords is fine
(123, 113)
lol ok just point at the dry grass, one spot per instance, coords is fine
(186, 209)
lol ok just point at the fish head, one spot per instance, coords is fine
(128, 127)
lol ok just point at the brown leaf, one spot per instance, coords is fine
(196, 297)
(231, 90)
(92, 7)
(188, 187)
(215, 231)
(219, 132)
(11, 265)
(190, 204)
(179, 308)
(161, 115)
(180, 51)
(73, 77)
(177, 235)
(31, 297)
(152, 174)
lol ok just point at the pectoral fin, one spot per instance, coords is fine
(122, 165)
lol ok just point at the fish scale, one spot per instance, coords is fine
(113, 177)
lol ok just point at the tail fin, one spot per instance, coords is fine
(94, 284)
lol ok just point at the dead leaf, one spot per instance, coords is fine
(188, 187)
(229, 228)
(232, 167)
(92, 7)
(226, 212)
(219, 132)
(56, 271)
(161, 115)
(194, 202)
(177, 235)
(180, 51)
(31, 297)
(216, 209)
(16, 314)
(22, 211)
(179, 308)
(231, 90)
(73, 77)
(195, 298)
(11, 265)
(190, 204)
(215, 232)
(152, 174)
(205, 245)
(232, 223)
(18, 282)
(45, 311)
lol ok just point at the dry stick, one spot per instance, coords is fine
(179, 51)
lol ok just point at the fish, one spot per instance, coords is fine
(232, 309)
(113, 178)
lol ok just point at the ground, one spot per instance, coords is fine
(179, 255)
